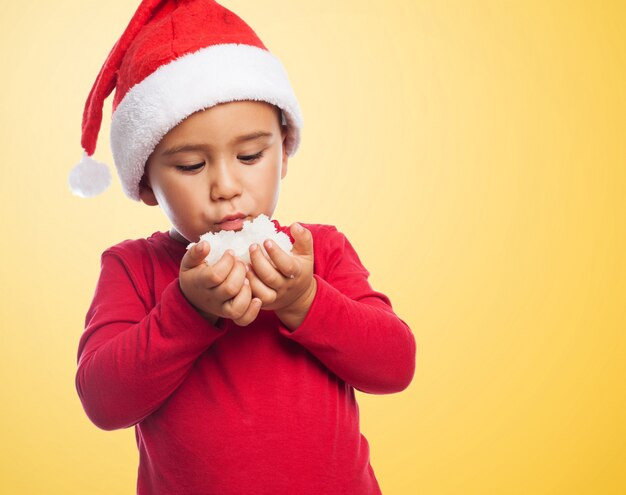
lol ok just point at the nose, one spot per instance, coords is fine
(224, 181)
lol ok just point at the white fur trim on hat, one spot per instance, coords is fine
(212, 75)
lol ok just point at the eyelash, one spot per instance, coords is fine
(189, 168)
(197, 166)
(249, 158)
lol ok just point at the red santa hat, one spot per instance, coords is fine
(175, 58)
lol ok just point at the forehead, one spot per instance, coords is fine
(223, 122)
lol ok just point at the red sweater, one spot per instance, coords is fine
(240, 410)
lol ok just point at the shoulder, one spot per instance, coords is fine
(149, 264)
(332, 249)
(130, 248)
(321, 231)
(326, 238)
(328, 233)
(145, 253)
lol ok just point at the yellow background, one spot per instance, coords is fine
(474, 154)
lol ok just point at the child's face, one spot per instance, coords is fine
(203, 171)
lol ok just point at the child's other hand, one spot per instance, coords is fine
(286, 283)
(220, 290)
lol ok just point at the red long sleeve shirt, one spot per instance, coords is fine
(238, 410)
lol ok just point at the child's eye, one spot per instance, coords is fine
(251, 158)
(190, 168)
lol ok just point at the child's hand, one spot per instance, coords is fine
(220, 290)
(285, 283)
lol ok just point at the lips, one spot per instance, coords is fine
(232, 217)
(232, 222)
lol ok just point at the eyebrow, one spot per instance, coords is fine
(195, 147)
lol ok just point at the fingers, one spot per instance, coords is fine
(242, 309)
(263, 268)
(284, 262)
(303, 240)
(260, 290)
(236, 306)
(250, 314)
(195, 255)
(222, 268)
(239, 294)
(221, 289)
(215, 274)
(232, 284)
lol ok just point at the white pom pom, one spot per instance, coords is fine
(89, 177)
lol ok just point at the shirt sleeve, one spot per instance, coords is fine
(132, 357)
(352, 328)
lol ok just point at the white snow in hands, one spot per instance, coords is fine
(255, 231)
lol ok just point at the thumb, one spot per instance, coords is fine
(195, 255)
(303, 239)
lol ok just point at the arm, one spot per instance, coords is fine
(351, 328)
(132, 357)
(335, 313)
(361, 341)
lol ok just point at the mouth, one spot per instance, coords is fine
(231, 222)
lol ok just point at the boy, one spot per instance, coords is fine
(239, 378)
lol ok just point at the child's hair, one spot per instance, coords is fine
(174, 59)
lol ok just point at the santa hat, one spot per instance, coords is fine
(175, 58)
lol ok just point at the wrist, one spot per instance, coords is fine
(293, 315)
(210, 317)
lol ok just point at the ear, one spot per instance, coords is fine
(146, 194)
(285, 158)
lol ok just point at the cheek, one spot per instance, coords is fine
(271, 186)
(264, 175)
(176, 195)
(262, 187)
(269, 181)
